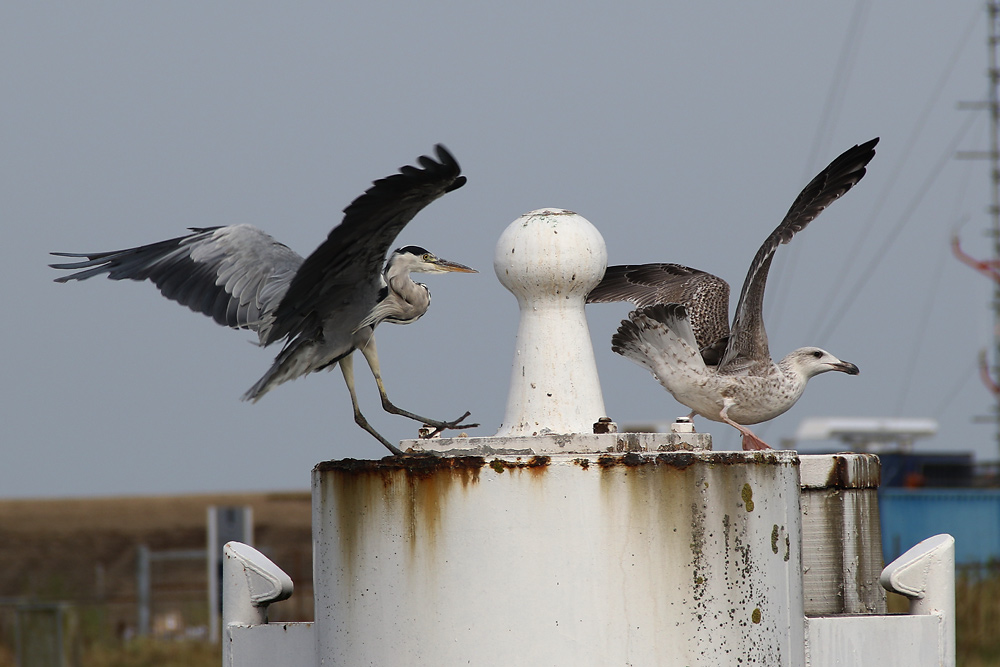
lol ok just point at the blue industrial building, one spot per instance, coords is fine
(927, 494)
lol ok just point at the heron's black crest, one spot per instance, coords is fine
(412, 250)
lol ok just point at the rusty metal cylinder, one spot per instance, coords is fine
(841, 535)
(684, 558)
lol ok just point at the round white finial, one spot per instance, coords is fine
(550, 259)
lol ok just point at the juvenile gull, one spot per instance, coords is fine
(680, 330)
(324, 306)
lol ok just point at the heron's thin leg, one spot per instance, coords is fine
(371, 355)
(347, 368)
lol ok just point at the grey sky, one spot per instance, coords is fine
(681, 130)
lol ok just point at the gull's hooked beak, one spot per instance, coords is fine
(846, 367)
(444, 265)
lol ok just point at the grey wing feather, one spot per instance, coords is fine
(353, 254)
(748, 339)
(704, 296)
(236, 275)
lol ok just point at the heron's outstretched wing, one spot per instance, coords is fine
(748, 340)
(705, 297)
(236, 275)
(353, 254)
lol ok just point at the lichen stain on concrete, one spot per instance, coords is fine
(747, 494)
(700, 564)
(705, 500)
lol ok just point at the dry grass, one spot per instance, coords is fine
(139, 514)
(83, 551)
(141, 653)
(977, 594)
(154, 654)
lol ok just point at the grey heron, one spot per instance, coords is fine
(324, 306)
(680, 330)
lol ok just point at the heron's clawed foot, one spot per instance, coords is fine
(447, 426)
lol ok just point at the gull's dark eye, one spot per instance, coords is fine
(817, 354)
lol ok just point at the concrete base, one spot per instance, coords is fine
(687, 558)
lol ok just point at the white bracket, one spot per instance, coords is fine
(926, 575)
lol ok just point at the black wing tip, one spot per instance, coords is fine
(444, 169)
(444, 155)
(445, 160)
(859, 152)
(868, 149)
(84, 260)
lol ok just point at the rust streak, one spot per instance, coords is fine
(535, 464)
(419, 465)
(861, 471)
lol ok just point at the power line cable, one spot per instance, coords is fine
(920, 331)
(831, 112)
(917, 131)
(949, 397)
(836, 316)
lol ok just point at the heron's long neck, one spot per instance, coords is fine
(404, 287)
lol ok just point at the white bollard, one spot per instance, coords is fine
(550, 259)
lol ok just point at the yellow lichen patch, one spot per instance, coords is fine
(747, 497)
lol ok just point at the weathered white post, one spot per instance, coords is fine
(561, 546)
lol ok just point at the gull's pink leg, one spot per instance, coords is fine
(751, 443)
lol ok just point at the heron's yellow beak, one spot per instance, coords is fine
(445, 265)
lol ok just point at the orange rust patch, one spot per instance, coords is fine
(535, 464)
(419, 465)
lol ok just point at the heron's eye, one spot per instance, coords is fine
(817, 354)
(427, 257)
